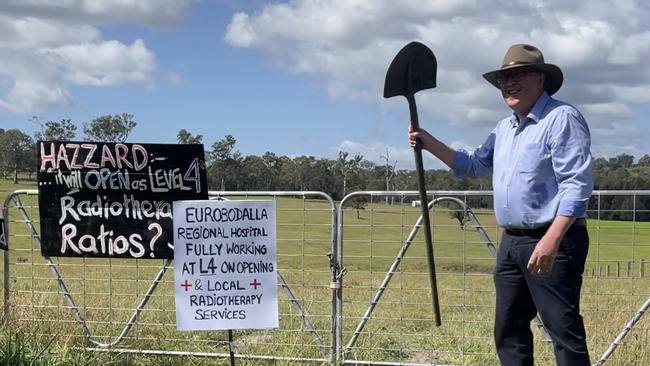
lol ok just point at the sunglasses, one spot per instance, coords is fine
(514, 75)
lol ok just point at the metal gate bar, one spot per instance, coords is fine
(626, 329)
(305, 319)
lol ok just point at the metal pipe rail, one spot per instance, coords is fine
(626, 329)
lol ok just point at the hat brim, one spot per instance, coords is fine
(554, 76)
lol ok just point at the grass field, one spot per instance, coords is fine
(400, 329)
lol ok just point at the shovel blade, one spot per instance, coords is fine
(413, 69)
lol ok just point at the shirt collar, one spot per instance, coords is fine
(535, 113)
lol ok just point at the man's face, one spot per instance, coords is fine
(520, 88)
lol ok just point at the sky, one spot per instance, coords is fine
(305, 77)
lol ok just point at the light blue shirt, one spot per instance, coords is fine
(541, 166)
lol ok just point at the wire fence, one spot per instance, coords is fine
(353, 284)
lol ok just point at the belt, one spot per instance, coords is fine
(540, 231)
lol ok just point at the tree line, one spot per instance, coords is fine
(229, 170)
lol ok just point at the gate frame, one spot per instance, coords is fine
(109, 347)
(340, 355)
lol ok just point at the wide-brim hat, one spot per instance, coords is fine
(525, 55)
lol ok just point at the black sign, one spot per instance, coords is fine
(3, 236)
(114, 199)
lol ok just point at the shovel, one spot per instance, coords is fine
(412, 70)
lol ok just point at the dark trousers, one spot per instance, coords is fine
(555, 295)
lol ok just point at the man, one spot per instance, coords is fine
(540, 163)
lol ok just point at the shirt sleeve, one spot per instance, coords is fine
(570, 144)
(476, 164)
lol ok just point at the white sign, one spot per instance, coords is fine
(225, 265)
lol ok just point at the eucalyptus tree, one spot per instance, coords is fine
(110, 128)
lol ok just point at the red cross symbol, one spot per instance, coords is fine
(255, 284)
(186, 285)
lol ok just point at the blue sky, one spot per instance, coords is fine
(305, 77)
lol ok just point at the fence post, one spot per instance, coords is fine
(629, 268)
(642, 269)
(618, 269)
(5, 257)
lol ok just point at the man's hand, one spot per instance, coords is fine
(422, 135)
(541, 261)
(432, 145)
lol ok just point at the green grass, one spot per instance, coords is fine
(400, 330)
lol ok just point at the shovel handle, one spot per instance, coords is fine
(419, 166)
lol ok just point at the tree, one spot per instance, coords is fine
(621, 161)
(347, 167)
(253, 174)
(63, 130)
(304, 165)
(389, 171)
(16, 152)
(388, 168)
(644, 160)
(287, 174)
(225, 164)
(184, 137)
(109, 128)
(459, 215)
(272, 165)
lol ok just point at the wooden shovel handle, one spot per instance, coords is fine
(426, 224)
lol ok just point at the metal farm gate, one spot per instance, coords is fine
(127, 305)
(353, 284)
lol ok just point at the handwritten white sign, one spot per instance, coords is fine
(225, 265)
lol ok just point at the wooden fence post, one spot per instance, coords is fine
(629, 268)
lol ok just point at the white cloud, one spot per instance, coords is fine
(637, 94)
(148, 12)
(614, 138)
(48, 46)
(174, 78)
(346, 46)
(27, 95)
(616, 110)
(632, 50)
(104, 63)
(340, 90)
